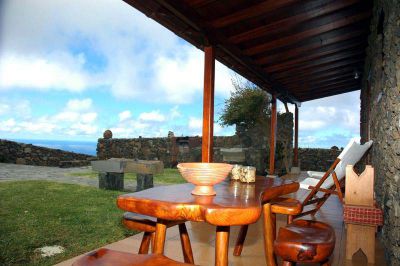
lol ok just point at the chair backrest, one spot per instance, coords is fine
(351, 154)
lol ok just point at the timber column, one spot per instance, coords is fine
(272, 137)
(208, 105)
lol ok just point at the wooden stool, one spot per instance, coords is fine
(108, 257)
(147, 224)
(305, 241)
(280, 205)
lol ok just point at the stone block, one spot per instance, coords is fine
(111, 181)
(144, 181)
(20, 161)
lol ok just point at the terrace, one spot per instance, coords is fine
(298, 51)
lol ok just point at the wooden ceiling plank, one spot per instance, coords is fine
(341, 63)
(309, 47)
(307, 33)
(321, 87)
(317, 79)
(252, 11)
(320, 74)
(312, 56)
(328, 94)
(312, 12)
(329, 88)
(322, 61)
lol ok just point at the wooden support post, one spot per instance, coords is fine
(296, 137)
(272, 137)
(208, 105)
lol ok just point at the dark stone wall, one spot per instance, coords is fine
(380, 117)
(20, 153)
(171, 150)
(317, 159)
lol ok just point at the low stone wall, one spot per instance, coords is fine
(253, 144)
(317, 159)
(20, 153)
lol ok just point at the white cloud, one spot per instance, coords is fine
(79, 105)
(153, 116)
(143, 61)
(89, 117)
(125, 115)
(42, 74)
(311, 124)
(4, 108)
(174, 112)
(195, 123)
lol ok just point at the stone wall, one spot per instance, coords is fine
(20, 153)
(317, 159)
(380, 117)
(171, 150)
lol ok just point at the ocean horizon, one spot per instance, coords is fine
(85, 147)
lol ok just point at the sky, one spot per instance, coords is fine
(69, 69)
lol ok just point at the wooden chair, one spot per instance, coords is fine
(300, 240)
(332, 181)
(147, 224)
(286, 206)
(305, 242)
(108, 257)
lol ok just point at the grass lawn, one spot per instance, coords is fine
(169, 176)
(34, 214)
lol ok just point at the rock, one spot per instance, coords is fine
(48, 251)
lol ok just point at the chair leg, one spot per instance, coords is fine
(288, 263)
(144, 245)
(240, 240)
(185, 242)
(290, 219)
(326, 263)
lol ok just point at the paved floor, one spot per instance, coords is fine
(15, 172)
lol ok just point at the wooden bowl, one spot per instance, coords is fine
(204, 175)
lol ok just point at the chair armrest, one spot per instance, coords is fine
(286, 206)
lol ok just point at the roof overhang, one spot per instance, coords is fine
(298, 50)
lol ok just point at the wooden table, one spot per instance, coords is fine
(235, 204)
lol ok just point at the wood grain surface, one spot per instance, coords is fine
(233, 205)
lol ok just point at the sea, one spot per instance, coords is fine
(85, 147)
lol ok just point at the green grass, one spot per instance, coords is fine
(39, 213)
(169, 176)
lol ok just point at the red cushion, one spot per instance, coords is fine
(362, 215)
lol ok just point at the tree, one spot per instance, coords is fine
(247, 106)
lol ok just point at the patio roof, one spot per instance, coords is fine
(298, 50)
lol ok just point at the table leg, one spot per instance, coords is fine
(159, 241)
(269, 234)
(221, 246)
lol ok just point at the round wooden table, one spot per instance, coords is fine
(235, 204)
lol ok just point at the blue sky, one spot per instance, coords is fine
(70, 69)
